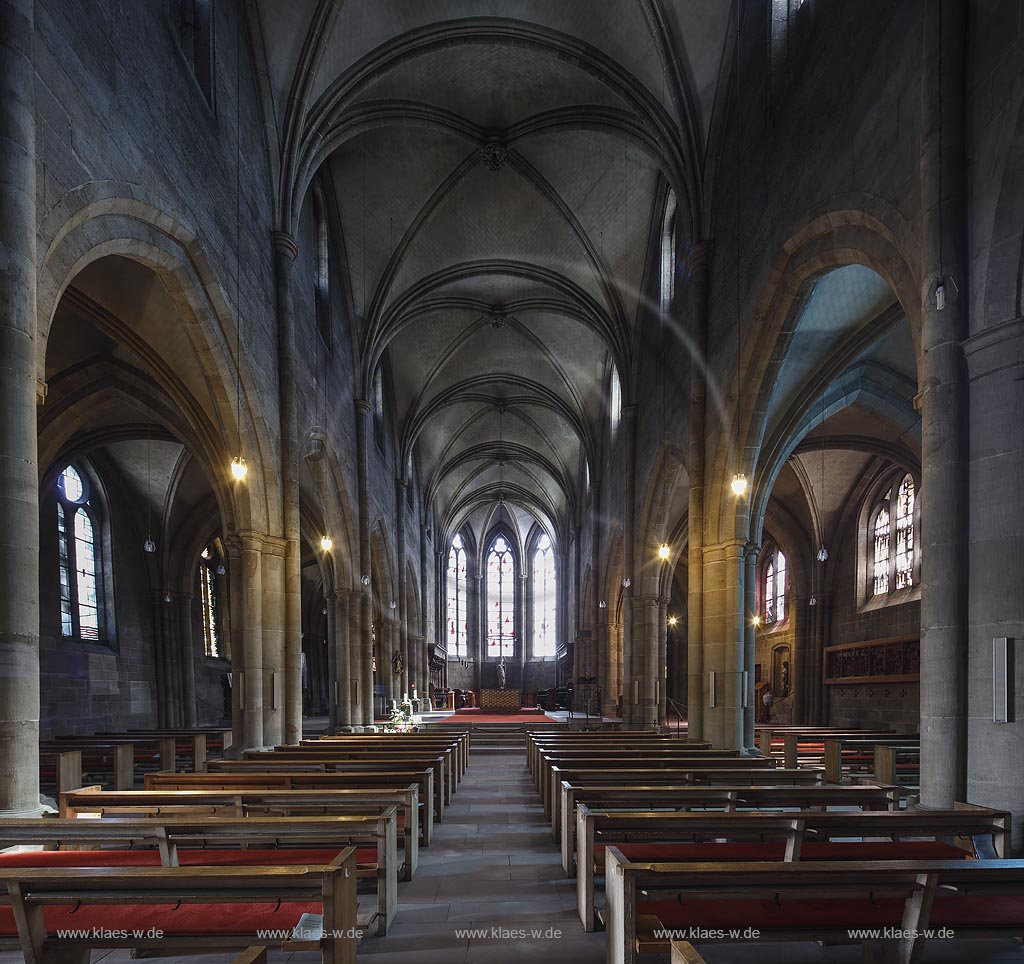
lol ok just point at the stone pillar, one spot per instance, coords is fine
(996, 359)
(356, 682)
(596, 660)
(189, 713)
(750, 644)
(236, 597)
(285, 250)
(423, 681)
(479, 604)
(19, 493)
(521, 633)
(642, 687)
(274, 678)
(662, 661)
(724, 643)
(943, 496)
(402, 613)
(631, 670)
(695, 690)
(251, 669)
(337, 646)
(365, 647)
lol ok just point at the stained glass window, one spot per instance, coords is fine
(905, 534)
(881, 550)
(76, 549)
(775, 588)
(458, 622)
(208, 596)
(544, 605)
(501, 597)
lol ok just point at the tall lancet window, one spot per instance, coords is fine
(775, 588)
(905, 534)
(458, 622)
(76, 543)
(208, 598)
(892, 540)
(544, 596)
(501, 599)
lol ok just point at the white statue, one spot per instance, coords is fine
(501, 674)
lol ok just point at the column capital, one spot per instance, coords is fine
(363, 407)
(402, 483)
(995, 348)
(629, 412)
(285, 244)
(751, 549)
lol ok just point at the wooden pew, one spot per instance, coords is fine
(92, 801)
(296, 778)
(813, 901)
(547, 756)
(843, 754)
(116, 759)
(441, 761)
(324, 836)
(459, 741)
(117, 901)
(900, 764)
(805, 835)
(194, 746)
(785, 742)
(66, 766)
(687, 797)
(536, 744)
(730, 772)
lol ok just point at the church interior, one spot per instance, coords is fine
(489, 480)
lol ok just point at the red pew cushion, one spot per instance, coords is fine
(978, 912)
(170, 918)
(776, 849)
(768, 915)
(187, 858)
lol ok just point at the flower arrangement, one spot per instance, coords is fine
(402, 719)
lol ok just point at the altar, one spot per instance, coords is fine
(508, 700)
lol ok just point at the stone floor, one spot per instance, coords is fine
(490, 890)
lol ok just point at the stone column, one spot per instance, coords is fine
(695, 691)
(189, 713)
(337, 646)
(605, 655)
(724, 643)
(662, 661)
(642, 687)
(521, 630)
(236, 597)
(251, 669)
(479, 604)
(365, 646)
(750, 644)
(274, 618)
(631, 670)
(996, 358)
(943, 496)
(423, 681)
(19, 493)
(595, 660)
(356, 682)
(402, 680)
(285, 250)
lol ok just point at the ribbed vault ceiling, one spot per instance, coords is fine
(498, 167)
